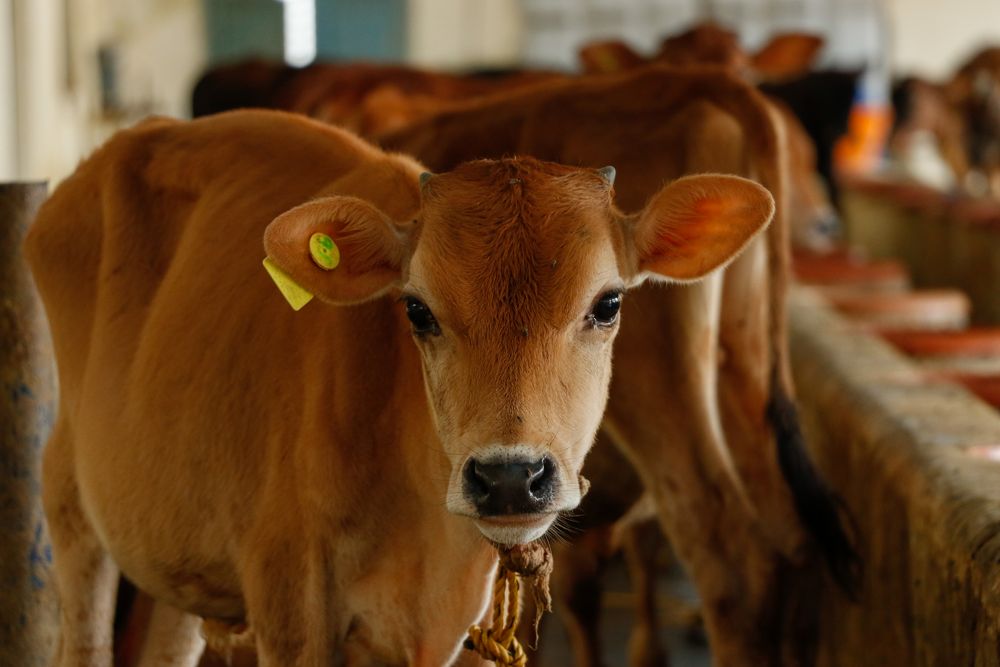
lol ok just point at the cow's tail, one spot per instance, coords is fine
(822, 512)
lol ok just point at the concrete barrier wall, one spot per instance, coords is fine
(918, 464)
(945, 241)
(28, 606)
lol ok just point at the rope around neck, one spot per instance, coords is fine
(498, 643)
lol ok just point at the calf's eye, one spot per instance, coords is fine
(606, 309)
(421, 317)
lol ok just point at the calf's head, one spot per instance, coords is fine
(511, 278)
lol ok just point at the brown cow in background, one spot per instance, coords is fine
(813, 106)
(962, 115)
(363, 97)
(786, 56)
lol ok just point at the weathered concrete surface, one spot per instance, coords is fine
(918, 465)
(28, 607)
(945, 243)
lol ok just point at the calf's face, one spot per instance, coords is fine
(511, 279)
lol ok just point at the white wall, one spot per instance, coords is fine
(933, 37)
(38, 59)
(161, 49)
(8, 99)
(464, 33)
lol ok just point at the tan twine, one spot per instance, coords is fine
(499, 642)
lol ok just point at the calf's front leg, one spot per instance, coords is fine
(286, 594)
(85, 575)
(173, 639)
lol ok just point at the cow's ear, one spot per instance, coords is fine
(698, 224)
(609, 57)
(786, 56)
(342, 249)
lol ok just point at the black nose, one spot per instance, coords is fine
(828, 226)
(511, 487)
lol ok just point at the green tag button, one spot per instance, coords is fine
(324, 252)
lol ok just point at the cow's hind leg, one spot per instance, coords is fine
(577, 587)
(173, 639)
(85, 575)
(639, 548)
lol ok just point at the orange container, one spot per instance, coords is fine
(920, 310)
(975, 342)
(867, 132)
(886, 275)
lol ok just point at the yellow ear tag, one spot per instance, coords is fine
(324, 251)
(296, 295)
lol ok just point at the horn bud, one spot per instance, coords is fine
(424, 177)
(608, 174)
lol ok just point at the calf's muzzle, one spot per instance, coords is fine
(510, 487)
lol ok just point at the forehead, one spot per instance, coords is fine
(515, 240)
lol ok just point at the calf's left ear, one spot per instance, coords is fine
(342, 249)
(697, 224)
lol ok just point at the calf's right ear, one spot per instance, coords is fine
(698, 224)
(369, 249)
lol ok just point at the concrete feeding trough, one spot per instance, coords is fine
(918, 465)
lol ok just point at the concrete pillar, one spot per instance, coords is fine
(28, 605)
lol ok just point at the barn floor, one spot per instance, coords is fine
(616, 624)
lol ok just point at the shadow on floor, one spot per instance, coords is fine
(616, 624)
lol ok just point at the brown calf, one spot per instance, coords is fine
(700, 399)
(245, 463)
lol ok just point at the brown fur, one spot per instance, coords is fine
(704, 44)
(608, 57)
(366, 98)
(813, 222)
(963, 116)
(785, 56)
(242, 462)
(974, 94)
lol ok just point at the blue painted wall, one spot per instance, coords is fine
(361, 29)
(345, 29)
(240, 28)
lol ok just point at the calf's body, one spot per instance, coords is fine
(328, 476)
(248, 446)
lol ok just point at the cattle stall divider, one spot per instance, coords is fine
(28, 602)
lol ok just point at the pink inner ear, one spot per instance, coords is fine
(706, 209)
(682, 240)
(787, 55)
(699, 223)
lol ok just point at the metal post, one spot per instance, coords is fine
(28, 603)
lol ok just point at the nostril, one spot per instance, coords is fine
(540, 480)
(828, 225)
(476, 480)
